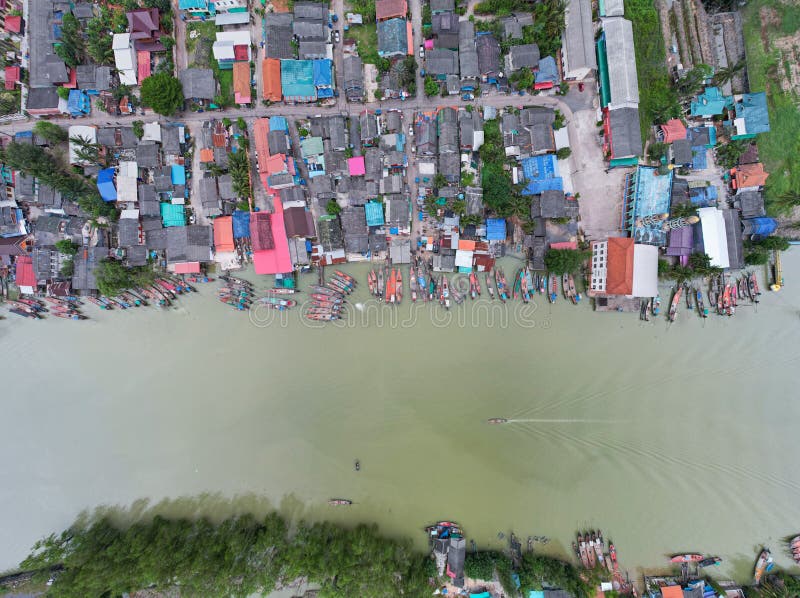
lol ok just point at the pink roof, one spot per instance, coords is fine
(673, 130)
(187, 268)
(143, 58)
(274, 164)
(564, 245)
(25, 275)
(356, 166)
(277, 260)
(13, 23)
(429, 44)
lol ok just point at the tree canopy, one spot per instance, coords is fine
(564, 261)
(536, 569)
(113, 277)
(51, 132)
(163, 93)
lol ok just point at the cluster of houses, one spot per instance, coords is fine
(461, 58)
(136, 54)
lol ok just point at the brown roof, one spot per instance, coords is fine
(387, 9)
(750, 175)
(271, 77)
(619, 266)
(296, 220)
(241, 82)
(261, 231)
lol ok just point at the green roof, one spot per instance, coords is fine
(602, 66)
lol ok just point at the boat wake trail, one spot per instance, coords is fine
(566, 421)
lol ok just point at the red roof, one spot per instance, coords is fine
(564, 245)
(143, 58)
(12, 76)
(387, 9)
(619, 266)
(13, 24)
(240, 52)
(673, 130)
(261, 231)
(271, 78)
(25, 275)
(223, 234)
(671, 592)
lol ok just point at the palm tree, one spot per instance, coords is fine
(87, 151)
(727, 73)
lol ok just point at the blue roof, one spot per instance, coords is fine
(322, 73)
(753, 108)
(495, 229)
(548, 71)
(762, 225)
(241, 224)
(374, 212)
(652, 194)
(699, 161)
(23, 134)
(78, 102)
(105, 184)
(297, 79)
(542, 174)
(178, 174)
(278, 123)
(711, 103)
(392, 37)
(325, 92)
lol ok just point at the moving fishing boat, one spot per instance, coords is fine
(701, 308)
(553, 288)
(763, 565)
(686, 558)
(673, 308)
(710, 561)
(339, 502)
(489, 286)
(497, 420)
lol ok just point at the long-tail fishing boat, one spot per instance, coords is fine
(489, 287)
(412, 283)
(673, 308)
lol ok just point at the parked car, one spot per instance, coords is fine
(336, 36)
(421, 51)
(410, 130)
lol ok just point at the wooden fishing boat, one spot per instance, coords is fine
(711, 561)
(689, 296)
(763, 564)
(565, 286)
(726, 300)
(574, 294)
(590, 551)
(344, 282)
(473, 285)
(643, 311)
(55, 301)
(398, 289)
(22, 313)
(99, 303)
(68, 316)
(346, 276)
(391, 284)
(412, 283)
(598, 549)
(734, 295)
(753, 282)
(504, 292)
(24, 307)
(372, 282)
(530, 282)
(516, 285)
(489, 286)
(553, 288)
(686, 558)
(432, 287)
(444, 292)
(380, 284)
(794, 545)
(497, 420)
(457, 296)
(32, 303)
(673, 308)
(525, 289)
(421, 282)
(612, 553)
(657, 305)
(701, 308)
(277, 301)
(339, 502)
(584, 551)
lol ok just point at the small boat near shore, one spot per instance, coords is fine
(686, 558)
(489, 287)
(673, 308)
(763, 565)
(711, 561)
(701, 308)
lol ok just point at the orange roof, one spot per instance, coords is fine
(206, 155)
(223, 234)
(619, 266)
(271, 79)
(466, 245)
(673, 130)
(241, 82)
(749, 175)
(671, 591)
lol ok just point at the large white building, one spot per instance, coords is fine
(577, 47)
(125, 58)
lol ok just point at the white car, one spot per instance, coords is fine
(336, 36)
(410, 130)
(421, 51)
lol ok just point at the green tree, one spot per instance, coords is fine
(536, 570)
(431, 86)
(51, 132)
(70, 48)
(656, 151)
(87, 151)
(563, 153)
(333, 208)
(728, 155)
(67, 268)
(67, 247)
(99, 40)
(522, 79)
(138, 129)
(439, 180)
(691, 83)
(63, 93)
(241, 124)
(727, 73)
(497, 189)
(756, 256)
(239, 168)
(384, 64)
(163, 93)
(564, 261)
(113, 277)
(481, 565)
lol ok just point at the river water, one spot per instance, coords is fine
(666, 438)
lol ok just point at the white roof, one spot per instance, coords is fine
(232, 18)
(128, 168)
(645, 270)
(623, 81)
(464, 258)
(152, 132)
(121, 41)
(561, 138)
(87, 133)
(128, 77)
(613, 8)
(223, 50)
(126, 188)
(715, 239)
(426, 168)
(226, 40)
(477, 140)
(132, 214)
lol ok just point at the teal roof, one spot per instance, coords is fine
(297, 80)
(711, 103)
(536, 594)
(392, 37)
(753, 108)
(311, 146)
(173, 214)
(374, 212)
(193, 4)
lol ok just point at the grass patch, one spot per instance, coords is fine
(198, 50)
(366, 37)
(225, 79)
(658, 101)
(779, 149)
